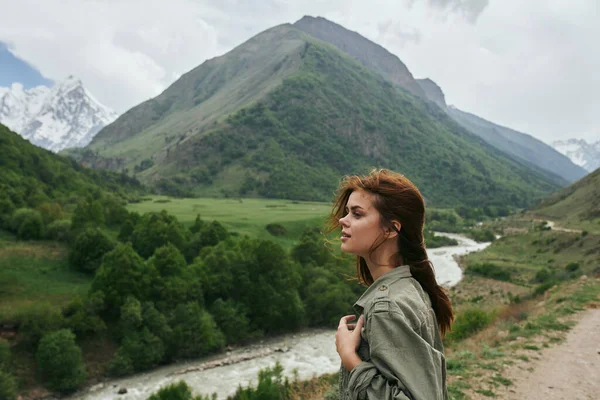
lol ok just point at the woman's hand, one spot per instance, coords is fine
(347, 340)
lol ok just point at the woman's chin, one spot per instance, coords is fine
(346, 249)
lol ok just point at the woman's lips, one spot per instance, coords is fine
(345, 237)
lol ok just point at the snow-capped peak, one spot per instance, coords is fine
(66, 115)
(580, 152)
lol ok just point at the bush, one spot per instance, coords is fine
(482, 235)
(178, 391)
(272, 385)
(232, 320)
(155, 230)
(195, 332)
(144, 349)
(8, 386)
(276, 229)
(120, 365)
(50, 212)
(59, 361)
(89, 248)
(27, 224)
(572, 267)
(469, 322)
(37, 321)
(59, 230)
(489, 270)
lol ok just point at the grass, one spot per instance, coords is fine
(33, 273)
(245, 216)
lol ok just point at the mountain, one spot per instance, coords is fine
(369, 54)
(30, 176)
(580, 152)
(516, 144)
(63, 116)
(285, 115)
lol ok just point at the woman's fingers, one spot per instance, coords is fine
(345, 319)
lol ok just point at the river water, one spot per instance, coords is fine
(309, 353)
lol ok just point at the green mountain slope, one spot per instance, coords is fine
(579, 202)
(292, 114)
(369, 54)
(30, 175)
(516, 144)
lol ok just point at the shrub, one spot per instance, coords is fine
(120, 365)
(482, 235)
(572, 267)
(542, 275)
(469, 322)
(144, 349)
(59, 361)
(89, 248)
(195, 332)
(489, 270)
(272, 385)
(27, 224)
(37, 321)
(8, 386)
(50, 212)
(59, 230)
(178, 391)
(276, 229)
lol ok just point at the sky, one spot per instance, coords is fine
(529, 65)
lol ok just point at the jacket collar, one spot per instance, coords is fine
(400, 272)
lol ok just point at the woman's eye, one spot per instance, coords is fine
(357, 215)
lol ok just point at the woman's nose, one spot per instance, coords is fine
(343, 221)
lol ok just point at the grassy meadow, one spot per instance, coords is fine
(34, 273)
(244, 216)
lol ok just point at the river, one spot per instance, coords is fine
(309, 353)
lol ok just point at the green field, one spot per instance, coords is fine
(244, 216)
(32, 273)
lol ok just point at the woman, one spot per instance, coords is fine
(394, 350)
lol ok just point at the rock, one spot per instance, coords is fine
(583, 277)
(96, 387)
(122, 391)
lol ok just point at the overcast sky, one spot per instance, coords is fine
(532, 65)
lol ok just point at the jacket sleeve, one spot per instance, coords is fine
(402, 364)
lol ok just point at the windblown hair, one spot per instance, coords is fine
(397, 199)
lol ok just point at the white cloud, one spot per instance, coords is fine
(530, 65)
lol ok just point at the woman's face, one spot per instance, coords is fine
(361, 226)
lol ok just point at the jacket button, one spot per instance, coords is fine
(382, 288)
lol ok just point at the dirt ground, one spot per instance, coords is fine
(570, 370)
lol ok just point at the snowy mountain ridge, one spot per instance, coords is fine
(586, 155)
(66, 115)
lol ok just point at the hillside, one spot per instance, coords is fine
(30, 175)
(285, 115)
(521, 146)
(577, 205)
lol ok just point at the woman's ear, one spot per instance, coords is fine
(395, 229)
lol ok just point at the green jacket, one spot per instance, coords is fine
(401, 347)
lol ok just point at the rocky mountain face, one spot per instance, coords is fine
(368, 53)
(586, 155)
(64, 116)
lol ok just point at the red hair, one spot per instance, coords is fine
(397, 199)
